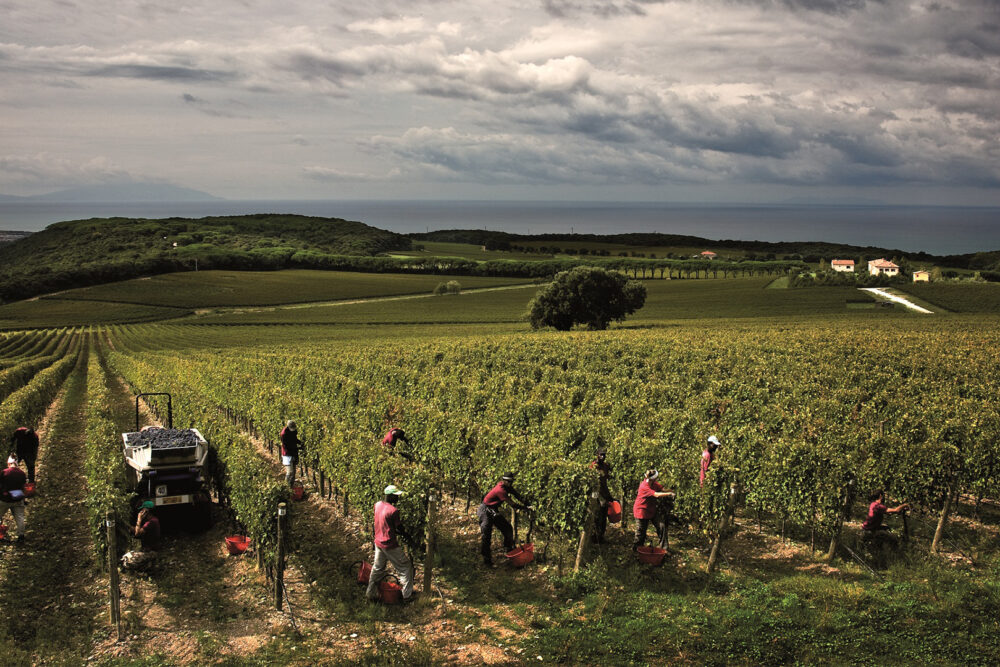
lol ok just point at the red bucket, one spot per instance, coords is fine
(522, 555)
(237, 544)
(3, 531)
(364, 573)
(29, 490)
(390, 592)
(614, 511)
(298, 491)
(650, 555)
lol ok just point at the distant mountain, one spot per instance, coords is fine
(126, 192)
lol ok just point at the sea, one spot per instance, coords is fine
(940, 230)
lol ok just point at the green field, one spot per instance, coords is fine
(43, 313)
(964, 297)
(465, 250)
(212, 289)
(666, 300)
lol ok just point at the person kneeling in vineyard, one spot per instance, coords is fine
(872, 528)
(489, 516)
(147, 529)
(392, 436)
(646, 510)
(387, 526)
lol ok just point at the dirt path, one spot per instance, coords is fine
(883, 294)
(199, 605)
(50, 599)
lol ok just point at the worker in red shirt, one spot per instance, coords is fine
(24, 447)
(603, 468)
(872, 527)
(646, 510)
(12, 482)
(392, 436)
(707, 456)
(388, 526)
(489, 516)
(290, 450)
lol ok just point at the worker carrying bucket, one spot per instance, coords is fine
(388, 526)
(489, 516)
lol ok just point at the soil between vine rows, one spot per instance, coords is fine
(49, 593)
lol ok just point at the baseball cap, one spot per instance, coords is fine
(391, 490)
(291, 425)
(509, 477)
(715, 441)
(11, 461)
(148, 504)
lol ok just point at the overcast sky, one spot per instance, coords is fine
(708, 100)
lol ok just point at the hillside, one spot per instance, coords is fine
(809, 251)
(88, 252)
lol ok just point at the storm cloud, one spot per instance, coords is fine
(442, 96)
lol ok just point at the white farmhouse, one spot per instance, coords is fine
(842, 265)
(882, 267)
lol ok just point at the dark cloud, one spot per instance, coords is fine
(162, 73)
(602, 8)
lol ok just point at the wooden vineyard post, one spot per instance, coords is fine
(322, 484)
(513, 523)
(943, 518)
(588, 527)
(279, 569)
(114, 591)
(844, 512)
(713, 558)
(429, 539)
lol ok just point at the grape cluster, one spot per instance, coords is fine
(164, 438)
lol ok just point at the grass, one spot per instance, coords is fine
(667, 300)
(44, 313)
(505, 305)
(208, 289)
(964, 297)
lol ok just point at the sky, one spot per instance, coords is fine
(618, 100)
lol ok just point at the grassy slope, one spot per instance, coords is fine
(959, 297)
(666, 300)
(208, 289)
(43, 313)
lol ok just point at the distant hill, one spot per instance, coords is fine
(88, 252)
(126, 192)
(808, 251)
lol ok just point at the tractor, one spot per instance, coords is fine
(168, 467)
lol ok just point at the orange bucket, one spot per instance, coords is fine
(298, 491)
(650, 555)
(614, 511)
(390, 592)
(364, 573)
(29, 490)
(237, 544)
(3, 531)
(522, 555)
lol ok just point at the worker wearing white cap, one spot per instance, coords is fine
(707, 456)
(387, 526)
